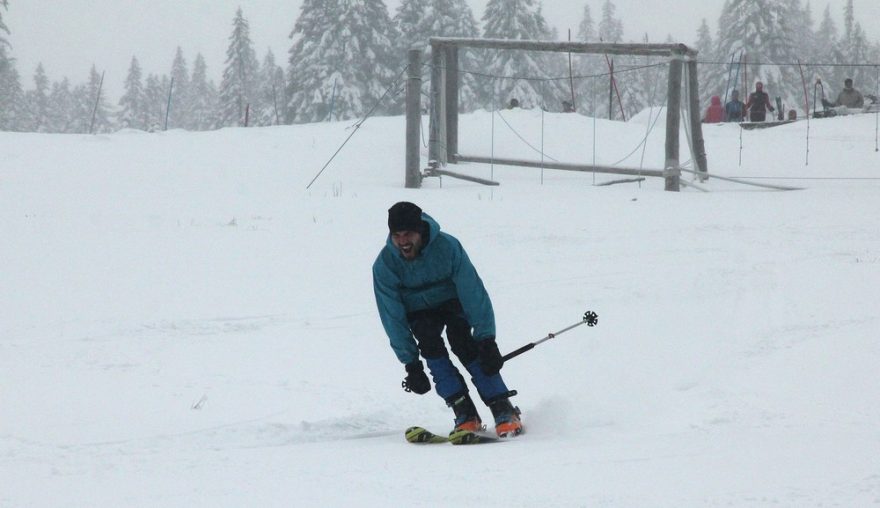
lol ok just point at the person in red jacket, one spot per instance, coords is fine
(758, 103)
(715, 112)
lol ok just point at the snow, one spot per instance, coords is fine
(182, 323)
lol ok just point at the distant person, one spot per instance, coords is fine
(567, 107)
(758, 104)
(849, 96)
(715, 112)
(514, 103)
(734, 110)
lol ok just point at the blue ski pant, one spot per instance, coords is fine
(427, 327)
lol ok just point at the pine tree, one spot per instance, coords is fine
(3, 42)
(342, 60)
(589, 87)
(238, 88)
(706, 46)
(131, 114)
(411, 20)
(61, 108)
(13, 116)
(155, 99)
(521, 19)
(94, 105)
(204, 97)
(12, 112)
(179, 113)
(762, 29)
(418, 20)
(270, 103)
(610, 28)
(38, 102)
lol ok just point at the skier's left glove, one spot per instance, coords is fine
(489, 357)
(416, 380)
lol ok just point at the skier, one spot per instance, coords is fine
(758, 103)
(734, 110)
(714, 113)
(423, 281)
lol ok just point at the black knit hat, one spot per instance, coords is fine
(405, 216)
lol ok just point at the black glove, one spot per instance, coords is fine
(489, 356)
(416, 380)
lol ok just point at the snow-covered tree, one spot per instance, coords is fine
(418, 20)
(763, 30)
(706, 47)
(203, 108)
(238, 88)
(131, 113)
(826, 49)
(610, 27)
(521, 19)
(99, 117)
(587, 67)
(38, 102)
(610, 30)
(13, 115)
(179, 113)
(61, 106)
(12, 111)
(155, 100)
(342, 60)
(411, 19)
(3, 42)
(269, 109)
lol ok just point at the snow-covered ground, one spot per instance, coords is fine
(182, 323)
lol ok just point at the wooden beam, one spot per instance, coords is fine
(564, 166)
(438, 172)
(413, 119)
(568, 46)
(451, 102)
(672, 171)
(696, 121)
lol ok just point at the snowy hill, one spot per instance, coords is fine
(183, 324)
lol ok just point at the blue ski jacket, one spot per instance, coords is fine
(441, 272)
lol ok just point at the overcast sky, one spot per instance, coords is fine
(68, 36)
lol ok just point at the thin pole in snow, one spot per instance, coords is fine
(97, 100)
(168, 105)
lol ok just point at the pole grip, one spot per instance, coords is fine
(519, 351)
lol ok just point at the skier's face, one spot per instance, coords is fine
(408, 243)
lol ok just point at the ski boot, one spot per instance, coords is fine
(507, 421)
(466, 416)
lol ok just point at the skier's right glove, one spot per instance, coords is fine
(416, 380)
(490, 358)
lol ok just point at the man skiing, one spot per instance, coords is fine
(424, 282)
(758, 103)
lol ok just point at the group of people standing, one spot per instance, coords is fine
(758, 103)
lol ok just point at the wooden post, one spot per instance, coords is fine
(671, 170)
(451, 103)
(437, 136)
(696, 121)
(610, 88)
(413, 118)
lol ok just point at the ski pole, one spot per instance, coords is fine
(590, 319)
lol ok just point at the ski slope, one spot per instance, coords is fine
(183, 324)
